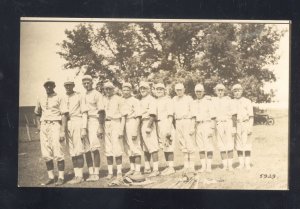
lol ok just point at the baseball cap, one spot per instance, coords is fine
(199, 87)
(160, 85)
(87, 77)
(144, 84)
(126, 84)
(179, 86)
(109, 85)
(220, 86)
(236, 86)
(49, 80)
(69, 81)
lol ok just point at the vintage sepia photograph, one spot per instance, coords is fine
(154, 103)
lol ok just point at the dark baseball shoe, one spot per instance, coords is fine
(60, 182)
(48, 182)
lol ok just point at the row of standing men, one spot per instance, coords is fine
(141, 127)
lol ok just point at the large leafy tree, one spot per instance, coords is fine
(191, 53)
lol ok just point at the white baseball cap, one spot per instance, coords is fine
(220, 86)
(199, 87)
(160, 85)
(49, 80)
(109, 85)
(236, 86)
(87, 77)
(126, 84)
(179, 86)
(69, 81)
(144, 84)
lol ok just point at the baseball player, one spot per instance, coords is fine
(244, 124)
(185, 126)
(205, 117)
(223, 108)
(76, 128)
(132, 125)
(165, 128)
(52, 131)
(114, 129)
(94, 104)
(148, 129)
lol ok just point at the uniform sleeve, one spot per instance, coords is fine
(250, 108)
(123, 106)
(63, 105)
(38, 108)
(100, 101)
(152, 107)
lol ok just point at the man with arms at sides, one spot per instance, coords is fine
(93, 100)
(114, 128)
(205, 123)
(132, 126)
(185, 126)
(74, 108)
(52, 131)
(148, 129)
(224, 112)
(165, 128)
(243, 125)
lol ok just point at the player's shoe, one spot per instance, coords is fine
(109, 176)
(60, 182)
(137, 173)
(129, 173)
(208, 170)
(76, 180)
(96, 177)
(147, 171)
(154, 173)
(92, 177)
(48, 182)
(168, 171)
(119, 175)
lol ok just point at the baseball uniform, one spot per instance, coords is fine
(223, 108)
(203, 111)
(164, 110)
(114, 111)
(244, 110)
(49, 107)
(133, 148)
(74, 106)
(147, 108)
(93, 101)
(182, 107)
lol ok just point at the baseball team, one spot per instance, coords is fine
(141, 127)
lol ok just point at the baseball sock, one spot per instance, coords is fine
(137, 160)
(224, 162)
(132, 166)
(96, 170)
(131, 160)
(171, 164)
(229, 163)
(61, 168)
(147, 165)
(137, 167)
(208, 165)
(80, 172)
(75, 172)
(119, 169)
(50, 167)
(203, 164)
(110, 169)
(155, 166)
(241, 161)
(91, 170)
(191, 161)
(96, 158)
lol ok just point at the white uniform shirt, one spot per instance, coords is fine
(244, 108)
(73, 104)
(133, 107)
(114, 107)
(164, 108)
(182, 107)
(49, 107)
(93, 101)
(223, 108)
(203, 109)
(148, 107)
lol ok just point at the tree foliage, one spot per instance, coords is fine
(191, 53)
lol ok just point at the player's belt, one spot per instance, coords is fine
(50, 121)
(240, 121)
(111, 119)
(203, 121)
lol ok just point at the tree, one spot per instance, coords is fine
(191, 53)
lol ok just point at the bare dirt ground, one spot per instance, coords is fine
(269, 163)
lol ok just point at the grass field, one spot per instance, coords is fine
(269, 162)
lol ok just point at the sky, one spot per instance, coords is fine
(39, 60)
